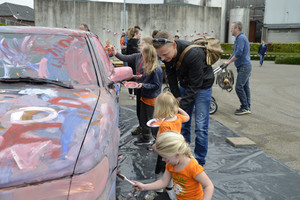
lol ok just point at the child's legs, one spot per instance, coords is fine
(138, 104)
(146, 113)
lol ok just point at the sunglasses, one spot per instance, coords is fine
(161, 40)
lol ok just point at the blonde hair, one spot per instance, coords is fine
(150, 59)
(166, 106)
(147, 40)
(170, 143)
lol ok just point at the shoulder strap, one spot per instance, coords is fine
(178, 64)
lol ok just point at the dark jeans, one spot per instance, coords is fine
(202, 107)
(242, 86)
(146, 113)
(261, 58)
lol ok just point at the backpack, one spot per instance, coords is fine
(210, 45)
(225, 79)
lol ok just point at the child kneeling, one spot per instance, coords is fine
(188, 176)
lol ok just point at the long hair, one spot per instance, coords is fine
(170, 143)
(131, 32)
(150, 59)
(166, 106)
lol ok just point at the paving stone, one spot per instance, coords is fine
(240, 141)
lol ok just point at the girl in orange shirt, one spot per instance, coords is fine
(166, 108)
(190, 182)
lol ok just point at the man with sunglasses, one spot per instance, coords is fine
(195, 80)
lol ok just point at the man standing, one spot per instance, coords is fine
(241, 59)
(262, 50)
(195, 78)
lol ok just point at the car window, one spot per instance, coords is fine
(103, 60)
(56, 57)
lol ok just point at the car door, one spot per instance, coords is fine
(97, 161)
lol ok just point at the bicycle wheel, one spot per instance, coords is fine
(213, 106)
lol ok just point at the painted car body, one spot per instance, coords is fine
(59, 111)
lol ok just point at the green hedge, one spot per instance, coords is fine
(1, 24)
(252, 57)
(227, 46)
(295, 60)
(285, 47)
(272, 47)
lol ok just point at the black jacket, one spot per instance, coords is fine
(132, 46)
(194, 74)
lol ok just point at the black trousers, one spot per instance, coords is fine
(138, 104)
(146, 113)
(160, 165)
(163, 196)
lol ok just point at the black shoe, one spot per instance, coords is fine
(242, 111)
(137, 131)
(142, 141)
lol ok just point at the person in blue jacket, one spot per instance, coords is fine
(262, 50)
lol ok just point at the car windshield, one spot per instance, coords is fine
(60, 58)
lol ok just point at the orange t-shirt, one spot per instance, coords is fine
(172, 125)
(184, 183)
(148, 101)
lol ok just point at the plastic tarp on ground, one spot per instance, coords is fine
(237, 173)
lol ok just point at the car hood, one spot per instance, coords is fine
(41, 132)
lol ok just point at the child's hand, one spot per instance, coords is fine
(140, 85)
(153, 147)
(112, 50)
(137, 77)
(139, 186)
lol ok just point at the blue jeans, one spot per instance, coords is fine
(202, 106)
(242, 86)
(261, 60)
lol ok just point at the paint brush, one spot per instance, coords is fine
(124, 178)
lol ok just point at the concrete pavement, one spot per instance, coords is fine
(274, 124)
(275, 104)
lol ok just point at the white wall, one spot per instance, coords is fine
(104, 16)
(242, 15)
(222, 4)
(283, 35)
(282, 12)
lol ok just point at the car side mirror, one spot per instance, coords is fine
(120, 74)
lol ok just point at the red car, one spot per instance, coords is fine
(59, 113)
